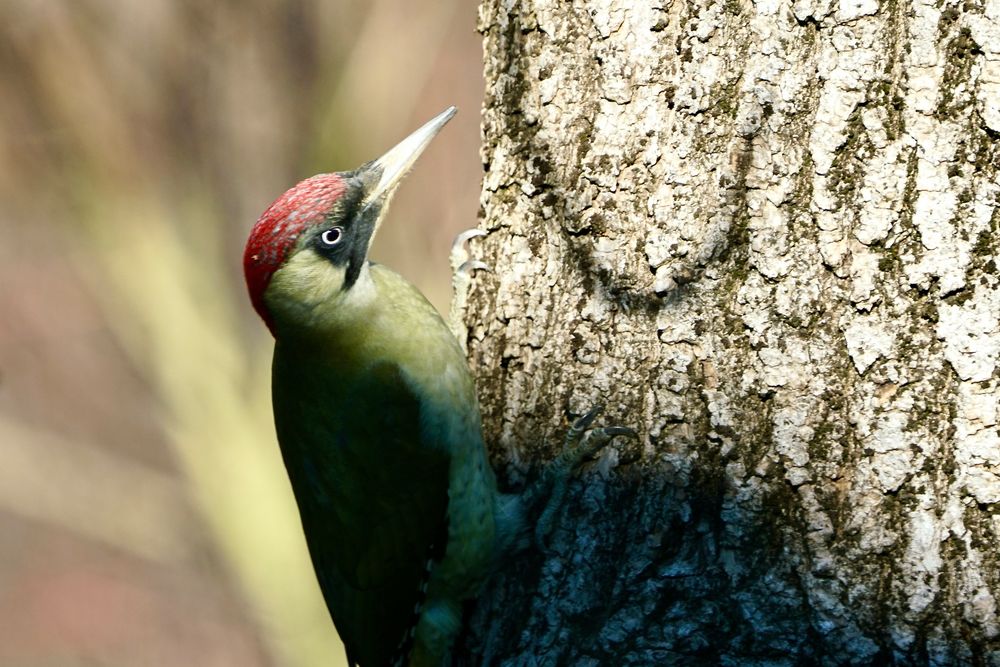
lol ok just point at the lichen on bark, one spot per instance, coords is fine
(764, 235)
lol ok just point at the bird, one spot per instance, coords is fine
(376, 416)
(378, 422)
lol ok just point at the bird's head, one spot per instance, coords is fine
(308, 252)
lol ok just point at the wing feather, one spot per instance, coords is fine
(372, 495)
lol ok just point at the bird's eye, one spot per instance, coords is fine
(332, 236)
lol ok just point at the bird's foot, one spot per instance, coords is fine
(462, 269)
(544, 498)
(459, 257)
(581, 443)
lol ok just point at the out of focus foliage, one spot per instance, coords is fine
(144, 510)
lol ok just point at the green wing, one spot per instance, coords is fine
(372, 495)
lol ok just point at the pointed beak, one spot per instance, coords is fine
(390, 169)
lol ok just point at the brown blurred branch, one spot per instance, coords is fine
(89, 491)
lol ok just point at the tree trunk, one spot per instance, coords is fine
(764, 235)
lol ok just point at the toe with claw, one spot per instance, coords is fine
(581, 443)
(546, 495)
(459, 255)
(462, 268)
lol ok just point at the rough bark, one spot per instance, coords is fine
(765, 235)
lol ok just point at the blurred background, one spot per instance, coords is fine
(145, 518)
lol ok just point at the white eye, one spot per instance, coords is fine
(332, 236)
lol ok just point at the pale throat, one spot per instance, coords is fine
(307, 292)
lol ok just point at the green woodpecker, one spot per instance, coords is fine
(378, 422)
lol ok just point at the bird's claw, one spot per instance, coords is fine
(468, 234)
(598, 438)
(583, 423)
(581, 442)
(459, 251)
(471, 265)
(462, 268)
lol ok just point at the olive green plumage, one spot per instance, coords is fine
(379, 429)
(376, 416)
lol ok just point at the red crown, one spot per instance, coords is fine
(279, 227)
